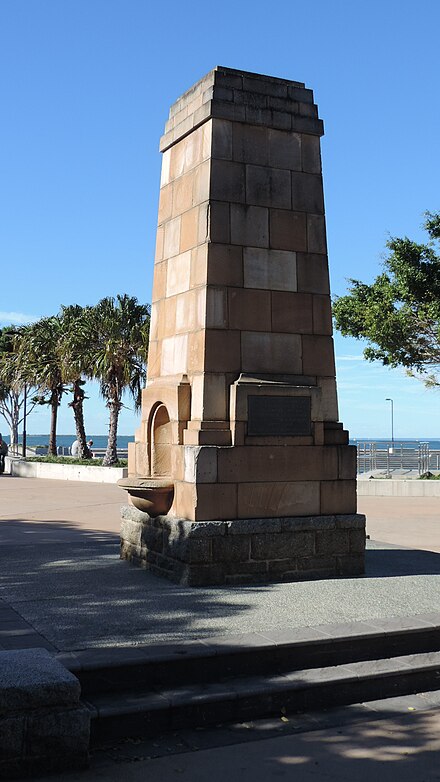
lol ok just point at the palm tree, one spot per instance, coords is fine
(38, 359)
(117, 356)
(74, 344)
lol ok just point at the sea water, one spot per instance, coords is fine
(66, 440)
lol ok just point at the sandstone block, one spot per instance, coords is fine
(311, 154)
(250, 225)
(278, 499)
(172, 237)
(338, 496)
(219, 224)
(318, 355)
(284, 150)
(189, 230)
(214, 500)
(316, 235)
(225, 265)
(277, 353)
(322, 315)
(217, 308)
(288, 230)
(174, 358)
(249, 309)
(200, 464)
(182, 190)
(195, 351)
(222, 351)
(277, 463)
(201, 180)
(268, 186)
(307, 193)
(292, 312)
(199, 265)
(228, 181)
(312, 270)
(347, 458)
(221, 139)
(250, 144)
(269, 269)
(165, 203)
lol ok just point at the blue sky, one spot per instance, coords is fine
(85, 92)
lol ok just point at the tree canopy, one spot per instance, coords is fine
(107, 342)
(399, 313)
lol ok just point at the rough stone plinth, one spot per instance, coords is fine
(43, 726)
(245, 550)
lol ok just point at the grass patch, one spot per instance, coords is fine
(429, 476)
(71, 460)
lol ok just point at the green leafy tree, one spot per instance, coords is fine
(39, 363)
(399, 313)
(117, 355)
(12, 387)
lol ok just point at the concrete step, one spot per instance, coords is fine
(235, 699)
(118, 669)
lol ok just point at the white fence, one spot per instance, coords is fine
(390, 456)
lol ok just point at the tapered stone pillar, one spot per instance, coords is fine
(239, 417)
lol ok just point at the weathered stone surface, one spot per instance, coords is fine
(332, 542)
(252, 550)
(12, 732)
(58, 732)
(131, 531)
(276, 546)
(33, 678)
(43, 727)
(253, 526)
(231, 548)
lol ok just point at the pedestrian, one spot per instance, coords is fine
(3, 453)
(74, 448)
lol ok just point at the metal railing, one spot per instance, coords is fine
(389, 456)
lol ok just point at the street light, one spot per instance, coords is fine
(24, 420)
(392, 423)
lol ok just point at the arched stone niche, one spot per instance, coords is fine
(160, 440)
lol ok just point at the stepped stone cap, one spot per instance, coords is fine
(33, 678)
(229, 94)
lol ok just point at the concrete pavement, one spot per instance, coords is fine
(62, 583)
(396, 740)
(62, 586)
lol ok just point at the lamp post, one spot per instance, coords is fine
(392, 423)
(24, 420)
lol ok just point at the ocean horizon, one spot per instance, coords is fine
(100, 440)
(66, 440)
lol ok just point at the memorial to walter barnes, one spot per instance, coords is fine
(240, 471)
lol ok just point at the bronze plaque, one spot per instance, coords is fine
(279, 416)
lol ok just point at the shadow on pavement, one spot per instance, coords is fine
(69, 584)
(393, 561)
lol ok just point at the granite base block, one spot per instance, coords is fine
(244, 551)
(43, 725)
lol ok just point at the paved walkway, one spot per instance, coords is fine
(63, 586)
(396, 740)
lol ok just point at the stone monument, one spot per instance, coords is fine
(240, 471)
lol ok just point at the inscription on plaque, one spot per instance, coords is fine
(279, 416)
